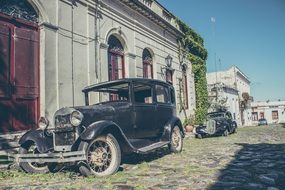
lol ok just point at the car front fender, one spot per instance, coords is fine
(104, 127)
(42, 141)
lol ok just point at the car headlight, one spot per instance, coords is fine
(76, 118)
(43, 123)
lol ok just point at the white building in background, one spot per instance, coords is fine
(233, 80)
(272, 111)
(227, 96)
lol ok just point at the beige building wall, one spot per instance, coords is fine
(72, 58)
(236, 79)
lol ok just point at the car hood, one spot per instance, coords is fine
(101, 111)
(218, 118)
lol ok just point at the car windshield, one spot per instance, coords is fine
(215, 115)
(107, 93)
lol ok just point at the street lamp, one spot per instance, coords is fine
(168, 61)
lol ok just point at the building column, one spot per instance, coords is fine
(130, 65)
(49, 97)
(103, 67)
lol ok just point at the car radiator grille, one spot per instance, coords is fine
(64, 133)
(64, 138)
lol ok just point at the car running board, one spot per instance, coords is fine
(152, 147)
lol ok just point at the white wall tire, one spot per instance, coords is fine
(36, 168)
(176, 140)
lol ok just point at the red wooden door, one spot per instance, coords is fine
(116, 66)
(19, 76)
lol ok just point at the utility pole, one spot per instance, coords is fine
(213, 21)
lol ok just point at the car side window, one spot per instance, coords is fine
(142, 93)
(161, 94)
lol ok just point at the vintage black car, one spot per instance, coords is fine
(133, 116)
(262, 121)
(217, 123)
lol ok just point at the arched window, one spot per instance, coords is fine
(185, 87)
(115, 59)
(147, 64)
(18, 9)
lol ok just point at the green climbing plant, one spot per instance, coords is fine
(193, 45)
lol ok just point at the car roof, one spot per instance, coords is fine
(114, 82)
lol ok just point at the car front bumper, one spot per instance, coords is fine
(60, 157)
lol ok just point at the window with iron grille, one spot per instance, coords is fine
(254, 116)
(274, 115)
(18, 9)
(185, 88)
(147, 64)
(116, 68)
(169, 77)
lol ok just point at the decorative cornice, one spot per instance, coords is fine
(147, 12)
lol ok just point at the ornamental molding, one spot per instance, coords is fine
(131, 55)
(104, 46)
(49, 25)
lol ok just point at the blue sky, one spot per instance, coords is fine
(247, 33)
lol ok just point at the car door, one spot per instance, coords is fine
(164, 107)
(144, 110)
(123, 108)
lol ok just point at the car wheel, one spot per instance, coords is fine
(226, 133)
(103, 156)
(33, 167)
(176, 141)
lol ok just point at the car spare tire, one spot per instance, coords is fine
(210, 127)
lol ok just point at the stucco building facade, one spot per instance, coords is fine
(227, 98)
(234, 79)
(73, 44)
(272, 111)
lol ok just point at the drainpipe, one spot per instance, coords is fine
(72, 51)
(96, 41)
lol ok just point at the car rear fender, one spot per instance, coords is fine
(174, 121)
(107, 127)
(42, 141)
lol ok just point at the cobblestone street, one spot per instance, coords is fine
(254, 158)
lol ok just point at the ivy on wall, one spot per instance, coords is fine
(192, 44)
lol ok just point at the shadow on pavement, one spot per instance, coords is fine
(255, 166)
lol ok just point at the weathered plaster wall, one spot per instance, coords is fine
(68, 49)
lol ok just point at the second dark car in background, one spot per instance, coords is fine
(217, 123)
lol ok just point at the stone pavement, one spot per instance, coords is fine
(254, 158)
